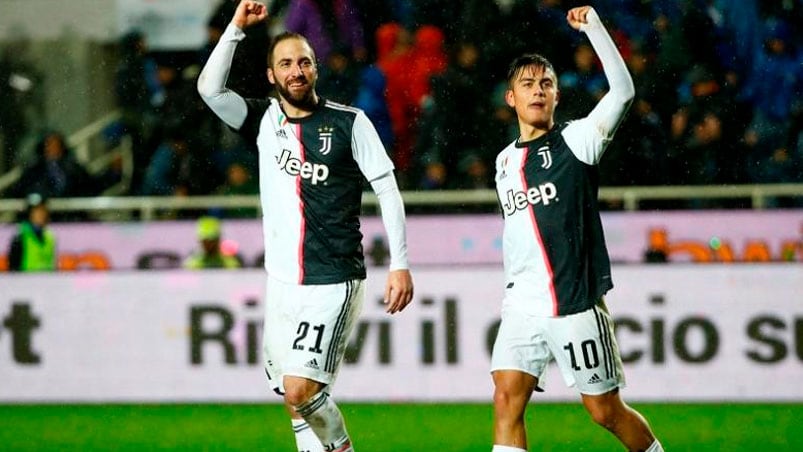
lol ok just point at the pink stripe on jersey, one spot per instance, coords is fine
(547, 263)
(300, 210)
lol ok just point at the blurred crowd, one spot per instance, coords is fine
(719, 89)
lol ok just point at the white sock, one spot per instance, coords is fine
(306, 441)
(655, 447)
(325, 419)
(498, 448)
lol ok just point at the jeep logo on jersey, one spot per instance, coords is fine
(543, 151)
(315, 172)
(520, 200)
(325, 135)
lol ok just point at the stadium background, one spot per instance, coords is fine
(125, 359)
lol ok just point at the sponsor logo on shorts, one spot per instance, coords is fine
(312, 364)
(594, 379)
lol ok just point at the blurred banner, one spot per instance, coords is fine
(687, 333)
(167, 24)
(632, 237)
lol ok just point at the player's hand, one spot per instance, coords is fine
(249, 13)
(578, 16)
(398, 291)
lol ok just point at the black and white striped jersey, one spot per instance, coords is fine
(311, 176)
(311, 173)
(555, 258)
(553, 244)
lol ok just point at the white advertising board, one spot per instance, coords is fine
(738, 236)
(690, 333)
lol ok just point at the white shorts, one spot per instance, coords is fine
(306, 329)
(582, 344)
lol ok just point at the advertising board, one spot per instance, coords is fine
(686, 333)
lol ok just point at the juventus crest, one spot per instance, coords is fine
(325, 136)
(546, 157)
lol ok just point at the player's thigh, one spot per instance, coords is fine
(318, 320)
(279, 324)
(586, 351)
(520, 345)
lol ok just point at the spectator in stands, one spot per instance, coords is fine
(440, 14)
(773, 88)
(485, 23)
(503, 126)
(638, 156)
(698, 25)
(19, 90)
(33, 248)
(211, 253)
(55, 172)
(371, 99)
(699, 92)
(429, 59)
(426, 58)
(338, 80)
(457, 141)
(138, 95)
(179, 107)
(328, 25)
(698, 161)
(395, 55)
(239, 182)
(180, 166)
(372, 14)
(582, 85)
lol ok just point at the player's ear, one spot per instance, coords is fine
(271, 78)
(557, 96)
(509, 99)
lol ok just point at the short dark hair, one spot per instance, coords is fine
(530, 59)
(283, 37)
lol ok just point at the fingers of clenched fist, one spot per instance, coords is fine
(578, 16)
(255, 8)
(249, 13)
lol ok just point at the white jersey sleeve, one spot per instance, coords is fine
(368, 150)
(588, 137)
(227, 105)
(392, 208)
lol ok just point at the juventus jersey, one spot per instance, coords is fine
(555, 258)
(553, 244)
(311, 179)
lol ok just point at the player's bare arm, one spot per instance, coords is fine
(249, 13)
(398, 290)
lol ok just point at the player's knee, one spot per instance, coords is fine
(604, 415)
(506, 402)
(298, 392)
(295, 397)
